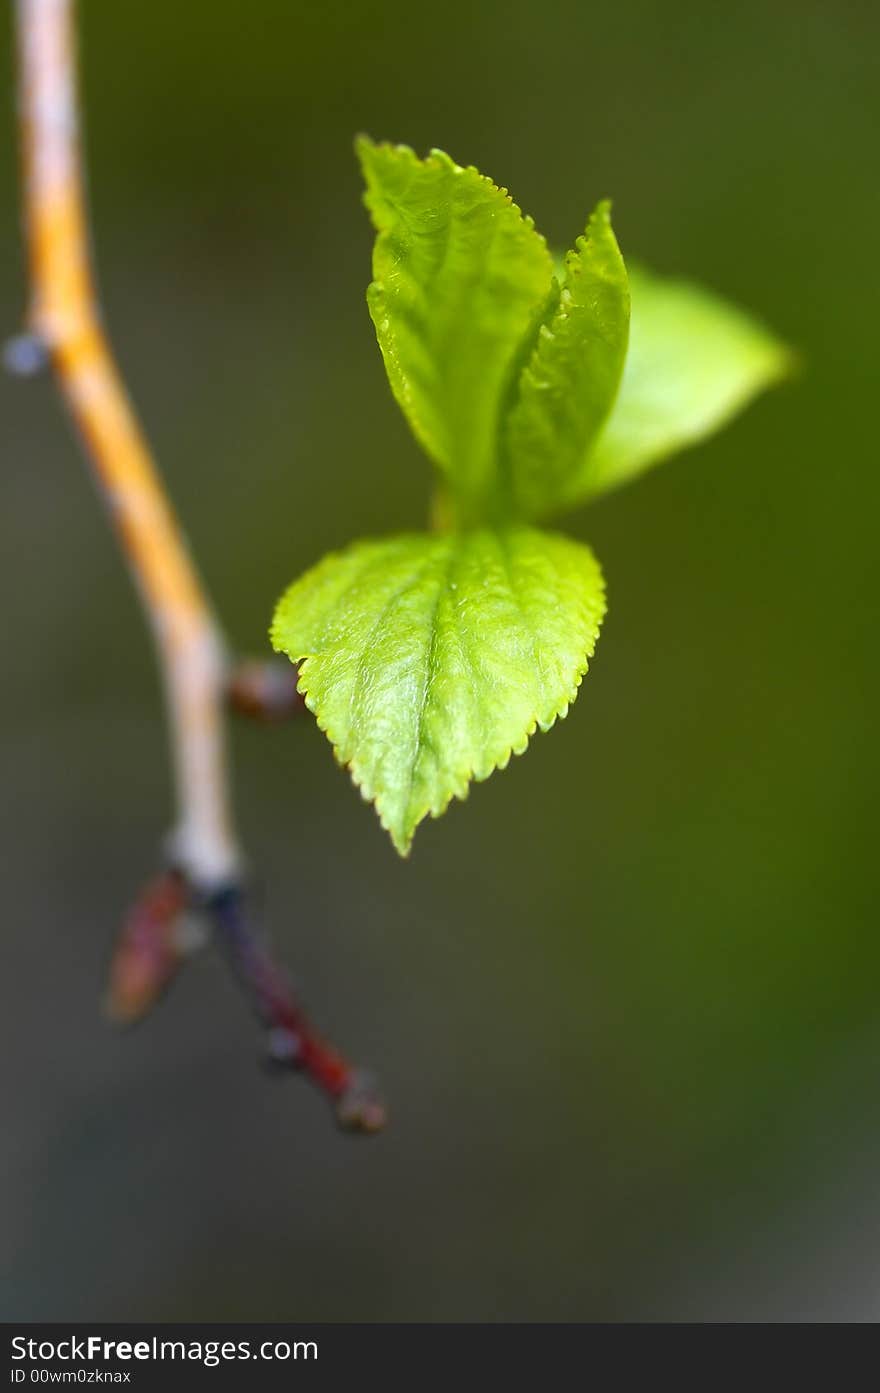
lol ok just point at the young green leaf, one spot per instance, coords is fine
(694, 361)
(460, 278)
(428, 660)
(568, 386)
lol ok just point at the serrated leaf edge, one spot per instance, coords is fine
(438, 156)
(466, 776)
(376, 290)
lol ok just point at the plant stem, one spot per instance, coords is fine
(64, 318)
(292, 1041)
(65, 329)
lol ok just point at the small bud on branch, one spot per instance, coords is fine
(264, 690)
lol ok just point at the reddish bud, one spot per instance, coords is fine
(148, 951)
(264, 691)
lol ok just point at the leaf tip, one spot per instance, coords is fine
(401, 830)
(789, 362)
(402, 843)
(363, 145)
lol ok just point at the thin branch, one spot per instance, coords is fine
(65, 329)
(292, 1041)
(64, 318)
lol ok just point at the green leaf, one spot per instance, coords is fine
(460, 279)
(428, 660)
(568, 386)
(694, 361)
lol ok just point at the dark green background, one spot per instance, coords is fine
(625, 1001)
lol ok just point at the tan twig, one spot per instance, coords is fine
(65, 319)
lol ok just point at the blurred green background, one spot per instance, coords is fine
(625, 1002)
